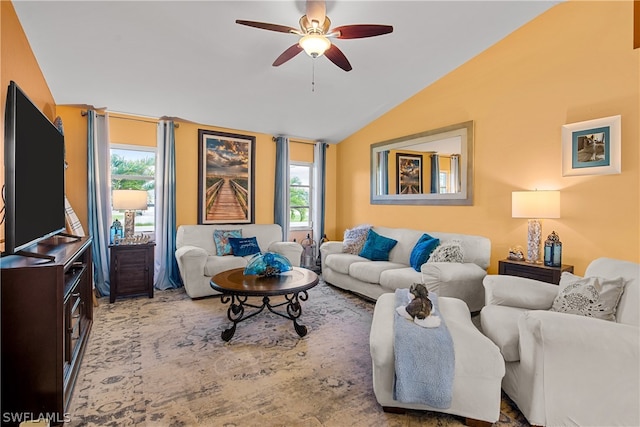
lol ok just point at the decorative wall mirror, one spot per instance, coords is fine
(429, 168)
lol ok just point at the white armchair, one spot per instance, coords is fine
(567, 369)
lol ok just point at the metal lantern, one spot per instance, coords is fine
(553, 251)
(308, 252)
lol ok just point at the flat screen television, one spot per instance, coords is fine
(34, 174)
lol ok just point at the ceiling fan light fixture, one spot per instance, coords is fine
(315, 44)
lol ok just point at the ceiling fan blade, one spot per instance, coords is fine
(270, 27)
(287, 55)
(336, 56)
(359, 31)
(316, 11)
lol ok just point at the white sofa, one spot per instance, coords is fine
(374, 278)
(567, 369)
(198, 262)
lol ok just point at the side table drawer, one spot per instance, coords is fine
(533, 271)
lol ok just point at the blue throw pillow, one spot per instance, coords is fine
(421, 251)
(244, 246)
(377, 247)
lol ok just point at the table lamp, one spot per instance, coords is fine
(129, 201)
(535, 205)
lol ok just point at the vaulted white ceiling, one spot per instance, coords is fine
(189, 59)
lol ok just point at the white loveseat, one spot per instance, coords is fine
(374, 278)
(567, 369)
(198, 262)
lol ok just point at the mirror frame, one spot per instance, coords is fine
(463, 198)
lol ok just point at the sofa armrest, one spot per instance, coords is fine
(454, 279)
(580, 365)
(331, 247)
(440, 274)
(519, 292)
(328, 248)
(191, 261)
(290, 250)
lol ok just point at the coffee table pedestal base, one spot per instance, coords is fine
(236, 311)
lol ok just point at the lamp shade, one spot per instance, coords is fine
(129, 199)
(535, 204)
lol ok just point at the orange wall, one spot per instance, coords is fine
(18, 63)
(300, 152)
(75, 141)
(187, 173)
(124, 130)
(573, 63)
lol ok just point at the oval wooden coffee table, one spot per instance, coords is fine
(236, 288)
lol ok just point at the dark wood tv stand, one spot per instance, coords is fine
(47, 313)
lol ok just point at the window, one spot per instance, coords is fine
(444, 179)
(133, 167)
(300, 191)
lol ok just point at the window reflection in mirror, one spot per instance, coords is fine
(432, 167)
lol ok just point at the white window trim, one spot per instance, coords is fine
(309, 165)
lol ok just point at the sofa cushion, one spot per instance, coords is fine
(500, 325)
(217, 264)
(399, 278)
(354, 239)
(589, 296)
(244, 246)
(369, 271)
(448, 252)
(421, 251)
(340, 262)
(221, 239)
(377, 247)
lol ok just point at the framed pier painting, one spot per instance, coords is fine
(225, 178)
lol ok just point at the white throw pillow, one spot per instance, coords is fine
(447, 252)
(589, 296)
(355, 238)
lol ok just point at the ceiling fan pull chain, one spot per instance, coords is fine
(313, 74)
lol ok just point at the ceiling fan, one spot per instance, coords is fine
(315, 33)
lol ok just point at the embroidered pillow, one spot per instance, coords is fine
(354, 239)
(589, 296)
(421, 251)
(448, 252)
(244, 246)
(377, 247)
(221, 239)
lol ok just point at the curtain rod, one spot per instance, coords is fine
(273, 138)
(135, 119)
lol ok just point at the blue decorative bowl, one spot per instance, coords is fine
(267, 264)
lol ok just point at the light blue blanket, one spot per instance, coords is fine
(424, 359)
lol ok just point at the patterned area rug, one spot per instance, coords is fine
(161, 362)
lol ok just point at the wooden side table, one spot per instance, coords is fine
(533, 271)
(131, 270)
